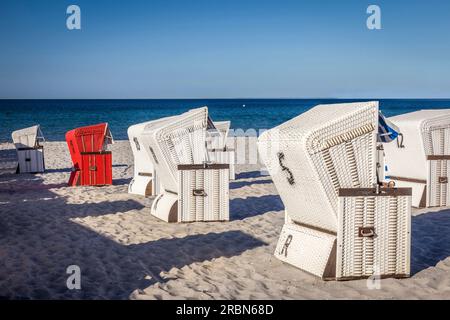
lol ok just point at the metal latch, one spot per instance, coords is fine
(443, 179)
(93, 168)
(199, 193)
(366, 232)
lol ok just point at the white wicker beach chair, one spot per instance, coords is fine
(193, 189)
(339, 223)
(422, 161)
(216, 141)
(30, 151)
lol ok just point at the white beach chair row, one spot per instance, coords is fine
(347, 192)
(346, 217)
(348, 195)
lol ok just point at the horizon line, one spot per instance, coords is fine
(238, 98)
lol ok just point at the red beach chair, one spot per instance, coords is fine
(92, 164)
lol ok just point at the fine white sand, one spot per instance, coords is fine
(125, 253)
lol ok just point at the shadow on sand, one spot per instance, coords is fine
(8, 161)
(430, 239)
(249, 175)
(59, 170)
(109, 270)
(121, 182)
(241, 184)
(242, 208)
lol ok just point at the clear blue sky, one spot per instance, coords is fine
(224, 49)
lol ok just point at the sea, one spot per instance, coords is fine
(56, 117)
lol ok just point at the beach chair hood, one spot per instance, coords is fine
(312, 156)
(94, 138)
(177, 140)
(92, 163)
(28, 137)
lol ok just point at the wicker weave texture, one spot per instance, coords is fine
(436, 135)
(176, 140)
(204, 195)
(183, 140)
(387, 252)
(438, 193)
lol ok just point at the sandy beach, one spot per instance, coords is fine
(125, 253)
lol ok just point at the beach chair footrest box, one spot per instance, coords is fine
(308, 249)
(96, 168)
(374, 233)
(204, 192)
(30, 160)
(373, 237)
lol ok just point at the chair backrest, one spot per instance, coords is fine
(177, 140)
(28, 137)
(313, 155)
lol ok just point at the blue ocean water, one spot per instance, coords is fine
(56, 117)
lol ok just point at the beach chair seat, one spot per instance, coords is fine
(339, 223)
(30, 150)
(422, 159)
(92, 163)
(192, 188)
